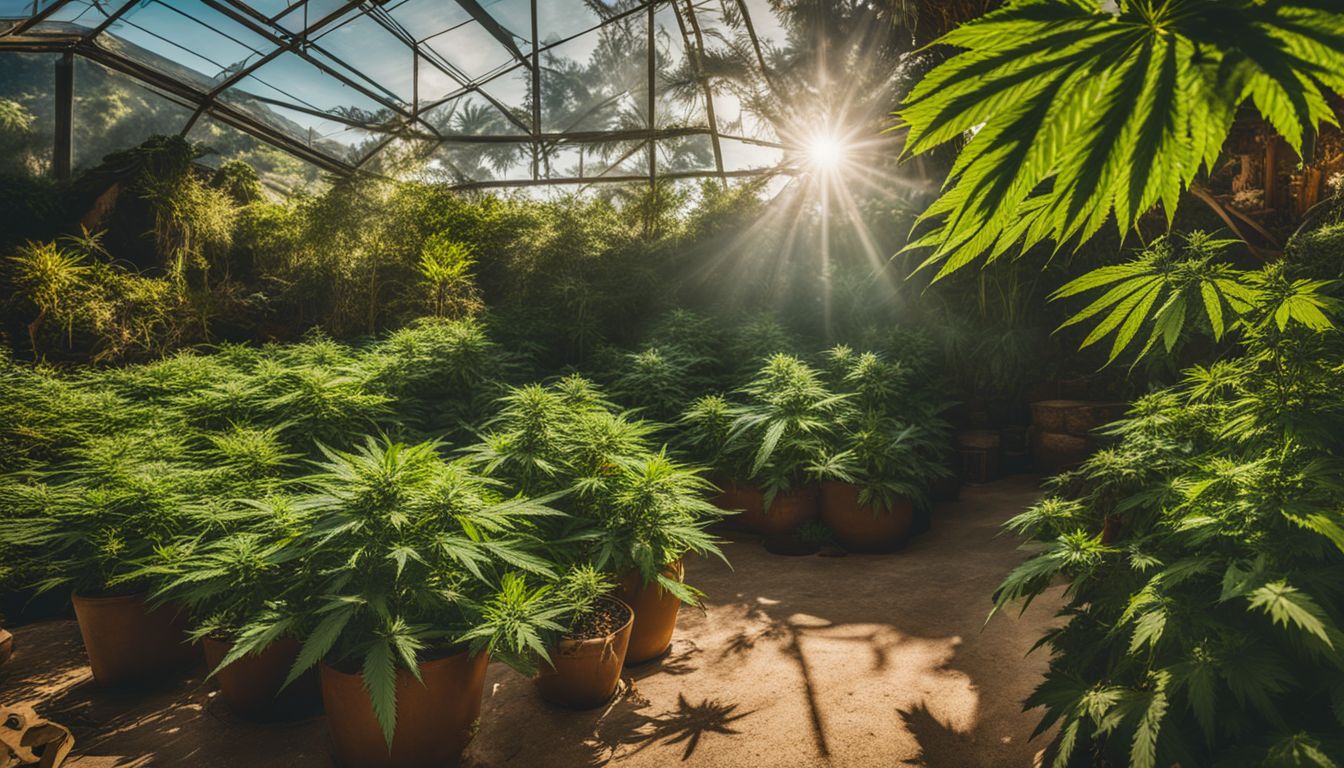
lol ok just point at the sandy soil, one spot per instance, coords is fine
(848, 661)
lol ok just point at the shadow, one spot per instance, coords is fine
(679, 660)
(686, 725)
(942, 744)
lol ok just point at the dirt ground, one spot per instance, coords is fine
(820, 661)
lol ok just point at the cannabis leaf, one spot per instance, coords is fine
(1077, 113)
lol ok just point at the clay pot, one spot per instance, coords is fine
(745, 501)
(128, 642)
(788, 511)
(583, 673)
(1089, 417)
(6, 646)
(435, 720)
(655, 614)
(861, 528)
(1052, 415)
(251, 685)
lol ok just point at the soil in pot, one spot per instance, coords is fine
(250, 686)
(861, 528)
(128, 642)
(586, 665)
(655, 614)
(435, 720)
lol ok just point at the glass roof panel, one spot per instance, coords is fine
(192, 41)
(450, 83)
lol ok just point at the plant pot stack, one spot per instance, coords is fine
(1062, 431)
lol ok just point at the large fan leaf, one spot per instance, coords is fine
(1077, 115)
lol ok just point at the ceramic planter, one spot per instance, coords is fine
(788, 511)
(435, 720)
(251, 685)
(129, 642)
(861, 528)
(655, 614)
(584, 673)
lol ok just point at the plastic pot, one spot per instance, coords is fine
(251, 685)
(128, 642)
(655, 613)
(584, 673)
(862, 528)
(436, 720)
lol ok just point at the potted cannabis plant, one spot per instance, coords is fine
(883, 456)
(402, 550)
(85, 525)
(569, 635)
(767, 454)
(630, 511)
(240, 592)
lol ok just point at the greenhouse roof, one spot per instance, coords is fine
(478, 92)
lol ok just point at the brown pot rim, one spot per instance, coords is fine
(132, 597)
(570, 645)
(462, 650)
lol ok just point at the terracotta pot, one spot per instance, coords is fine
(1089, 417)
(745, 500)
(655, 614)
(787, 513)
(435, 720)
(861, 528)
(129, 642)
(583, 673)
(251, 685)
(6, 646)
(1052, 415)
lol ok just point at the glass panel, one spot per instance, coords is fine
(597, 81)
(310, 14)
(364, 50)
(683, 154)
(516, 17)
(115, 112)
(290, 80)
(199, 46)
(471, 115)
(402, 157)
(592, 159)
(558, 21)
(278, 170)
(679, 90)
(22, 9)
(28, 81)
(469, 50)
(743, 156)
(461, 162)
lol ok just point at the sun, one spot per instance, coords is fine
(826, 152)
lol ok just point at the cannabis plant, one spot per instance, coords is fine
(658, 382)
(88, 523)
(402, 552)
(889, 439)
(780, 431)
(627, 506)
(527, 618)
(1202, 557)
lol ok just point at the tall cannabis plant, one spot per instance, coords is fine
(1202, 558)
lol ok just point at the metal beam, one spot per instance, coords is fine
(493, 27)
(63, 148)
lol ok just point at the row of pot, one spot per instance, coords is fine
(128, 642)
(855, 526)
